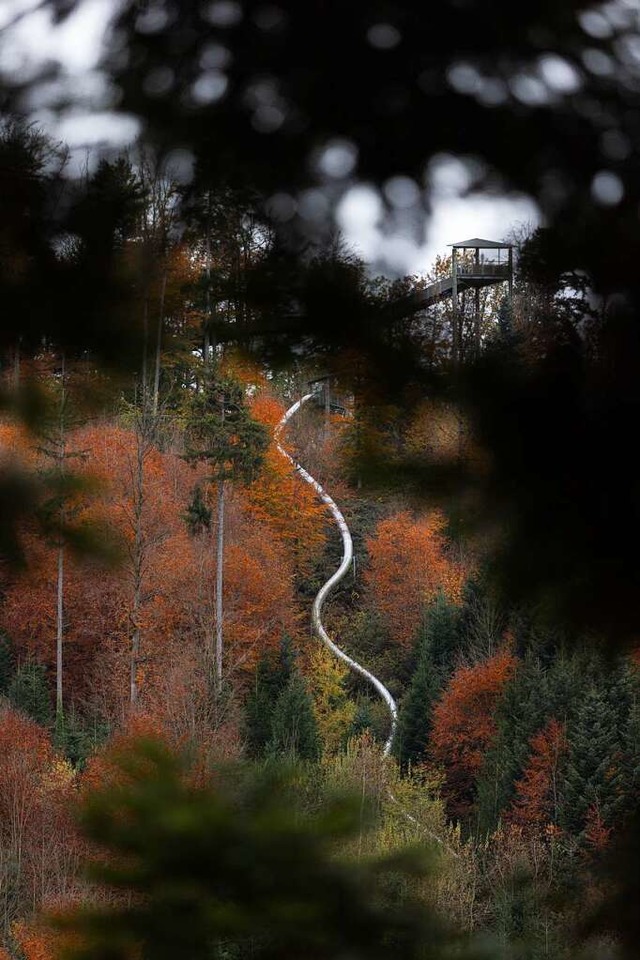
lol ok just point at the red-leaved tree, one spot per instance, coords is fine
(408, 566)
(536, 801)
(464, 726)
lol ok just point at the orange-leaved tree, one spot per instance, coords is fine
(39, 844)
(408, 567)
(163, 592)
(142, 509)
(33, 939)
(280, 500)
(535, 805)
(464, 726)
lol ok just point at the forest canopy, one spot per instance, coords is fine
(283, 108)
(160, 313)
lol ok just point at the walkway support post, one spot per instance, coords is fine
(454, 304)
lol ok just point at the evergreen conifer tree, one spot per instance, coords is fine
(594, 771)
(362, 719)
(7, 662)
(221, 432)
(77, 736)
(521, 712)
(28, 691)
(536, 692)
(505, 323)
(436, 647)
(414, 721)
(198, 514)
(294, 730)
(271, 679)
(442, 630)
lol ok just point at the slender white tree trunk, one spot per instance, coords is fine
(59, 632)
(16, 366)
(156, 376)
(145, 341)
(60, 579)
(206, 348)
(220, 585)
(139, 546)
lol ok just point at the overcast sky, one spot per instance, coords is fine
(76, 44)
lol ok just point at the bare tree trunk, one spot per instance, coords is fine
(16, 366)
(219, 638)
(145, 345)
(59, 632)
(207, 306)
(60, 582)
(156, 376)
(219, 585)
(138, 556)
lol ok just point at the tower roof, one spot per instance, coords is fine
(478, 244)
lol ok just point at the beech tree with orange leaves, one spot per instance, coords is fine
(464, 725)
(537, 791)
(165, 588)
(279, 500)
(408, 567)
(39, 847)
(140, 506)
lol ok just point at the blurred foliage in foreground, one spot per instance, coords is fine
(236, 868)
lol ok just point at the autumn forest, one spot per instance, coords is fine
(185, 768)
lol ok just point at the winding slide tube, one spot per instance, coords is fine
(325, 590)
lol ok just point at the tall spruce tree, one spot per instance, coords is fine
(198, 515)
(436, 647)
(279, 712)
(593, 773)
(271, 678)
(29, 691)
(537, 692)
(7, 662)
(294, 731)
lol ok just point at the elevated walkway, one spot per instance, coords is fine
(471, 276)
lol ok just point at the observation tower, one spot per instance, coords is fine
(475, 264)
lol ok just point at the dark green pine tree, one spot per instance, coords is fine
(78, 737)
(110, 209)
(7, 662)
(28, 691)
(198, 514)
(221, 432)
(271, 678)
(414, 718)
(441, 630)
(436, 647)
(537, 691)
(363, 719)
(520, 714)
(294, 731)
(631, 753)
(505, 323)
(593, 772)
